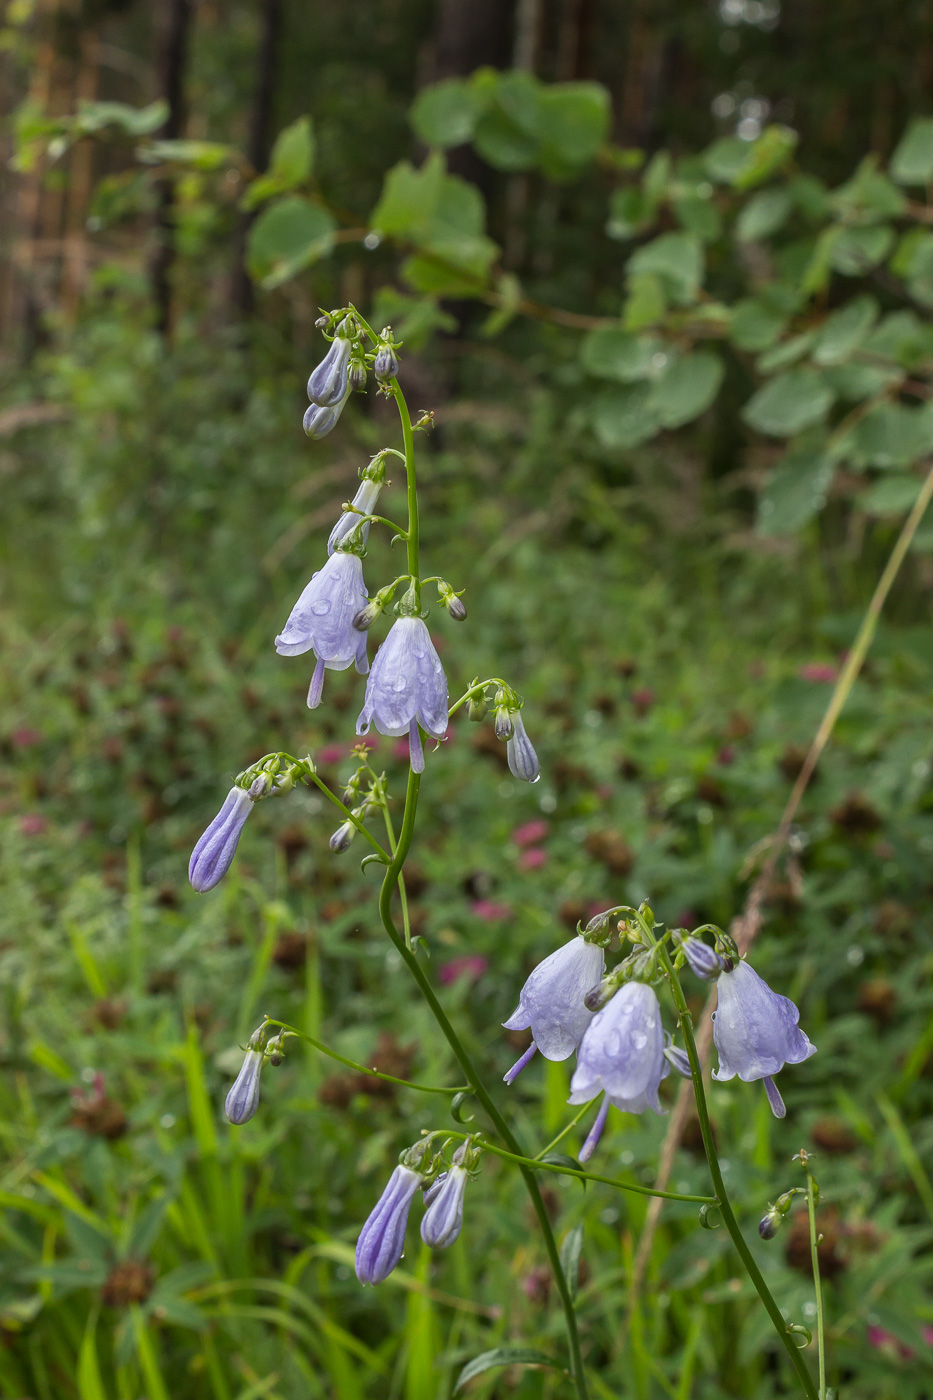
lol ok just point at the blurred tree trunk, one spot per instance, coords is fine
(174, 56)
(260, 142)
(80, 184)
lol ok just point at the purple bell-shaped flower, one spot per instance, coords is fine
(622, 1052)
(407, 687)
(755, 1032)
(551, 1002)
(322, 621)
(214, 852)
(328, 383)
(382, 1239)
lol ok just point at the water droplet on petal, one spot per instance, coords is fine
(321, 607)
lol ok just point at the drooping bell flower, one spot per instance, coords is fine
(622, 1052)
(551, 1002)
(755, 1032)
(328, 383)
(407, 687)
(523, 761)
(214, 852)
(322, 621)
(382, 1239)
(703, 960)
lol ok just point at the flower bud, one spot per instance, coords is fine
(704, 961)
(328, 382)
(357, 376)
(503, 723)
(523, 761)
(679, 1059)
(443, 1219)
(456, 607)
(319, 421)
(365, 618)
(243, 1098)
(600, 995)
(477, 708)
(385, 365)
(214, 852)
(340, 841)
(770, 1223)
(275, 1050)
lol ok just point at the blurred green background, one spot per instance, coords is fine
(664, 275)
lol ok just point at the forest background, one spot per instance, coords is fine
(664, 275)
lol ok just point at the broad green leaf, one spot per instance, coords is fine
(446, 113)
(90, 1384)
(788, 352)
(869, 196)
(656, 179)
(439, 277)
(890, 435)
(570, 1251)
(287, 237)
(724, 159)
(201, 155)
(914, 262)
(754, 325)
(293, 154)
(645, 303)
(912, 162)
(763, 215)
(810, 197)
(445, 217)
(572, 125)
(892, 495)
(900, 336)
(845, 330)
(414, 319)
(621, 417)
(503, 1356)
(854, 382)
(686, 388)
(787, 404)
(698, 215)
(507, 132)
(677, 258)
(765, 156)
(796, 491)
(820, 266)
(408, 197)
(857, 250)
(609, 352)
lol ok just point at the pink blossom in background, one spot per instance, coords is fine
(687, 918)
(469, 965)
(883, 1340)
(643, 699)
(818, 671)
(726, 755)
(530, 834)
(400, 748)
(25, 738)
(605, 791)
(33, 824)
(489, 911)
(596, 907)
(332, 753)
(533, 859)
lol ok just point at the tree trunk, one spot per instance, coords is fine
(173, 63)
(260, 141)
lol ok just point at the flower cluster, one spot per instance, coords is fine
(382, 1239)
(614, 1022)
(406, 688)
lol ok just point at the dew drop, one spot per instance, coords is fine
(321, 607)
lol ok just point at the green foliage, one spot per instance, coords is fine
(287, 237)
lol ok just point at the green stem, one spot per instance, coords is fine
(478, 1087)
(540, 1166)
(815, 1258)
(580, 1113)
(364, 1069)
(723, 1202)
(413, 533)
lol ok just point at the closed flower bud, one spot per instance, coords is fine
(382, 1239)
(523, 761)
(357, 376)
(385, 365)
(328, 382)
(678, 1058)
(214, 852)
(429, 1190)
(443, 1219)
(243, 1099)
(477, 709)
(770, 1223)
(318, 421)
(340, 841)
(503, 723)
(365, 618)
(456, 608)
(364, 503)
(704, 961)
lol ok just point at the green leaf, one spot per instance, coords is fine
(845, 330)
(446, 113)
(723, 160)
(445, 216)
(201, 155)
(293, 154)
(622, 418)
(857, 250)
(900, 336)
(890, 435)
(135, 121)
(892, 495)
(786, 353)
(609, 352)
(629, 213)
(572, 124)
(503, 1356)
(854, 382)
(912, 162)
(796, 492)
(287, 237)
(914, 262)
(570, 1251)
(698, 215)
(789, 403)
(869, 196)
(506, 134)
(645, 303)
(686, 388)
(766, 155)
(754, 325)
(677, 258)
(414, 319)
(763, 215)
